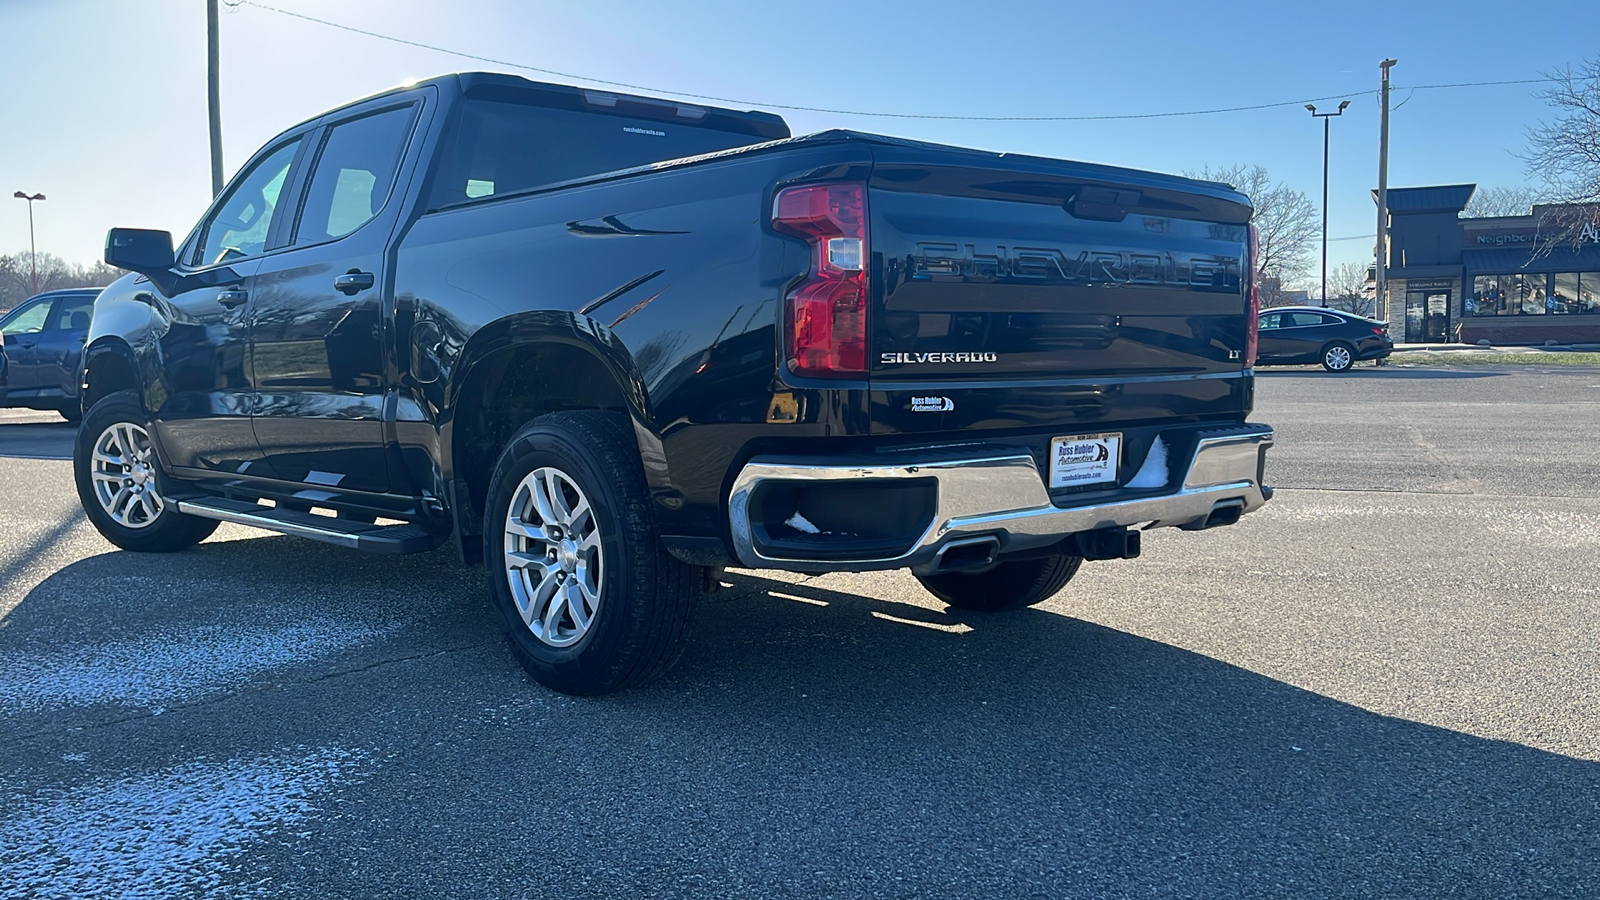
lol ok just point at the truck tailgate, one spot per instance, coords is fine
(1018, 293)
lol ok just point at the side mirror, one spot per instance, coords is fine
(140, 250)
(145, 251)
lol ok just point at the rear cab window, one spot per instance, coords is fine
(511, 141)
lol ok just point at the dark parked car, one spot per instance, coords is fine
(44, 338)
(612, 344)
(1293, 335)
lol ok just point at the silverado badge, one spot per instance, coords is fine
(890, 359)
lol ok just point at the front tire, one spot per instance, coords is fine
(1338, 357)
(114, 466)
(592, 601)
(1007, 586)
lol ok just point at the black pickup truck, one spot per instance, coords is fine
(611, 344)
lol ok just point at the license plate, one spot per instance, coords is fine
(1084, 459)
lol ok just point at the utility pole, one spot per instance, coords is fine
(1381, 252)
(214, 96)
(33, 253)
(1325, 117)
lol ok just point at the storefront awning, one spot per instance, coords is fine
(1522, 259)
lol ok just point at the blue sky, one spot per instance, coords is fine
(105, 101)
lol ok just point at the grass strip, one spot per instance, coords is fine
(1454, 358)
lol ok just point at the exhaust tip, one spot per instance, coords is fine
(1224, 513)
(960, 555)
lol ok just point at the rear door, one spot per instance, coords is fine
(1028, 293)
(317, 311)
(1304, 333)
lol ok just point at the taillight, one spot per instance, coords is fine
(1252, 327)
(827, 312)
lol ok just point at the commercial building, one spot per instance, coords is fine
(1502, 279)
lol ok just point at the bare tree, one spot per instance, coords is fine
(1565, 152)
(1516, 200)
(1350, 289)
(1286, 220)
(16, 276)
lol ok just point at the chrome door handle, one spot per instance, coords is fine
(232, 297)
(353, 282)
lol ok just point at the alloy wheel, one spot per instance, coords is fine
(553, 557)
(1337, 358)
(124, 474)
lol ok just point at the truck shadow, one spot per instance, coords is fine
(868, 743)
(36, 440)
(985, 734)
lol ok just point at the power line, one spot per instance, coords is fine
(1464, 84)
(846, 112)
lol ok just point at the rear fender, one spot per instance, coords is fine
(487, 351)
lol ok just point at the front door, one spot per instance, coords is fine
(203, 421)
(1436, 318)
(1427, 317)
(61, 345)
(22, 328)
(317, 314)
(1269, 342)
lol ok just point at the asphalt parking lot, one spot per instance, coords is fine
(1384, 684)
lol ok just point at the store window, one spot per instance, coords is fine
(1528, 293)
(1518, 294)
(1487, 297)
(1576, 293)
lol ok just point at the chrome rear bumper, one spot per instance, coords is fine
(999, 492)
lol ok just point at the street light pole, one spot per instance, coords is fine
(1325, 117)
(33, 253)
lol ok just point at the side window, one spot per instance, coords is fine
(1300, 320)
(27, 319)
(1331, 320)
(72, 314)
(239, 227)
(1267, 322)
(354, 175)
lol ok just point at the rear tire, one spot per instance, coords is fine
(1338, 357)
(592, 601)
(1008, 586)
(114, 466)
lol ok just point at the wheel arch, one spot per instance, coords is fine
(109, 365)
(514, 370)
